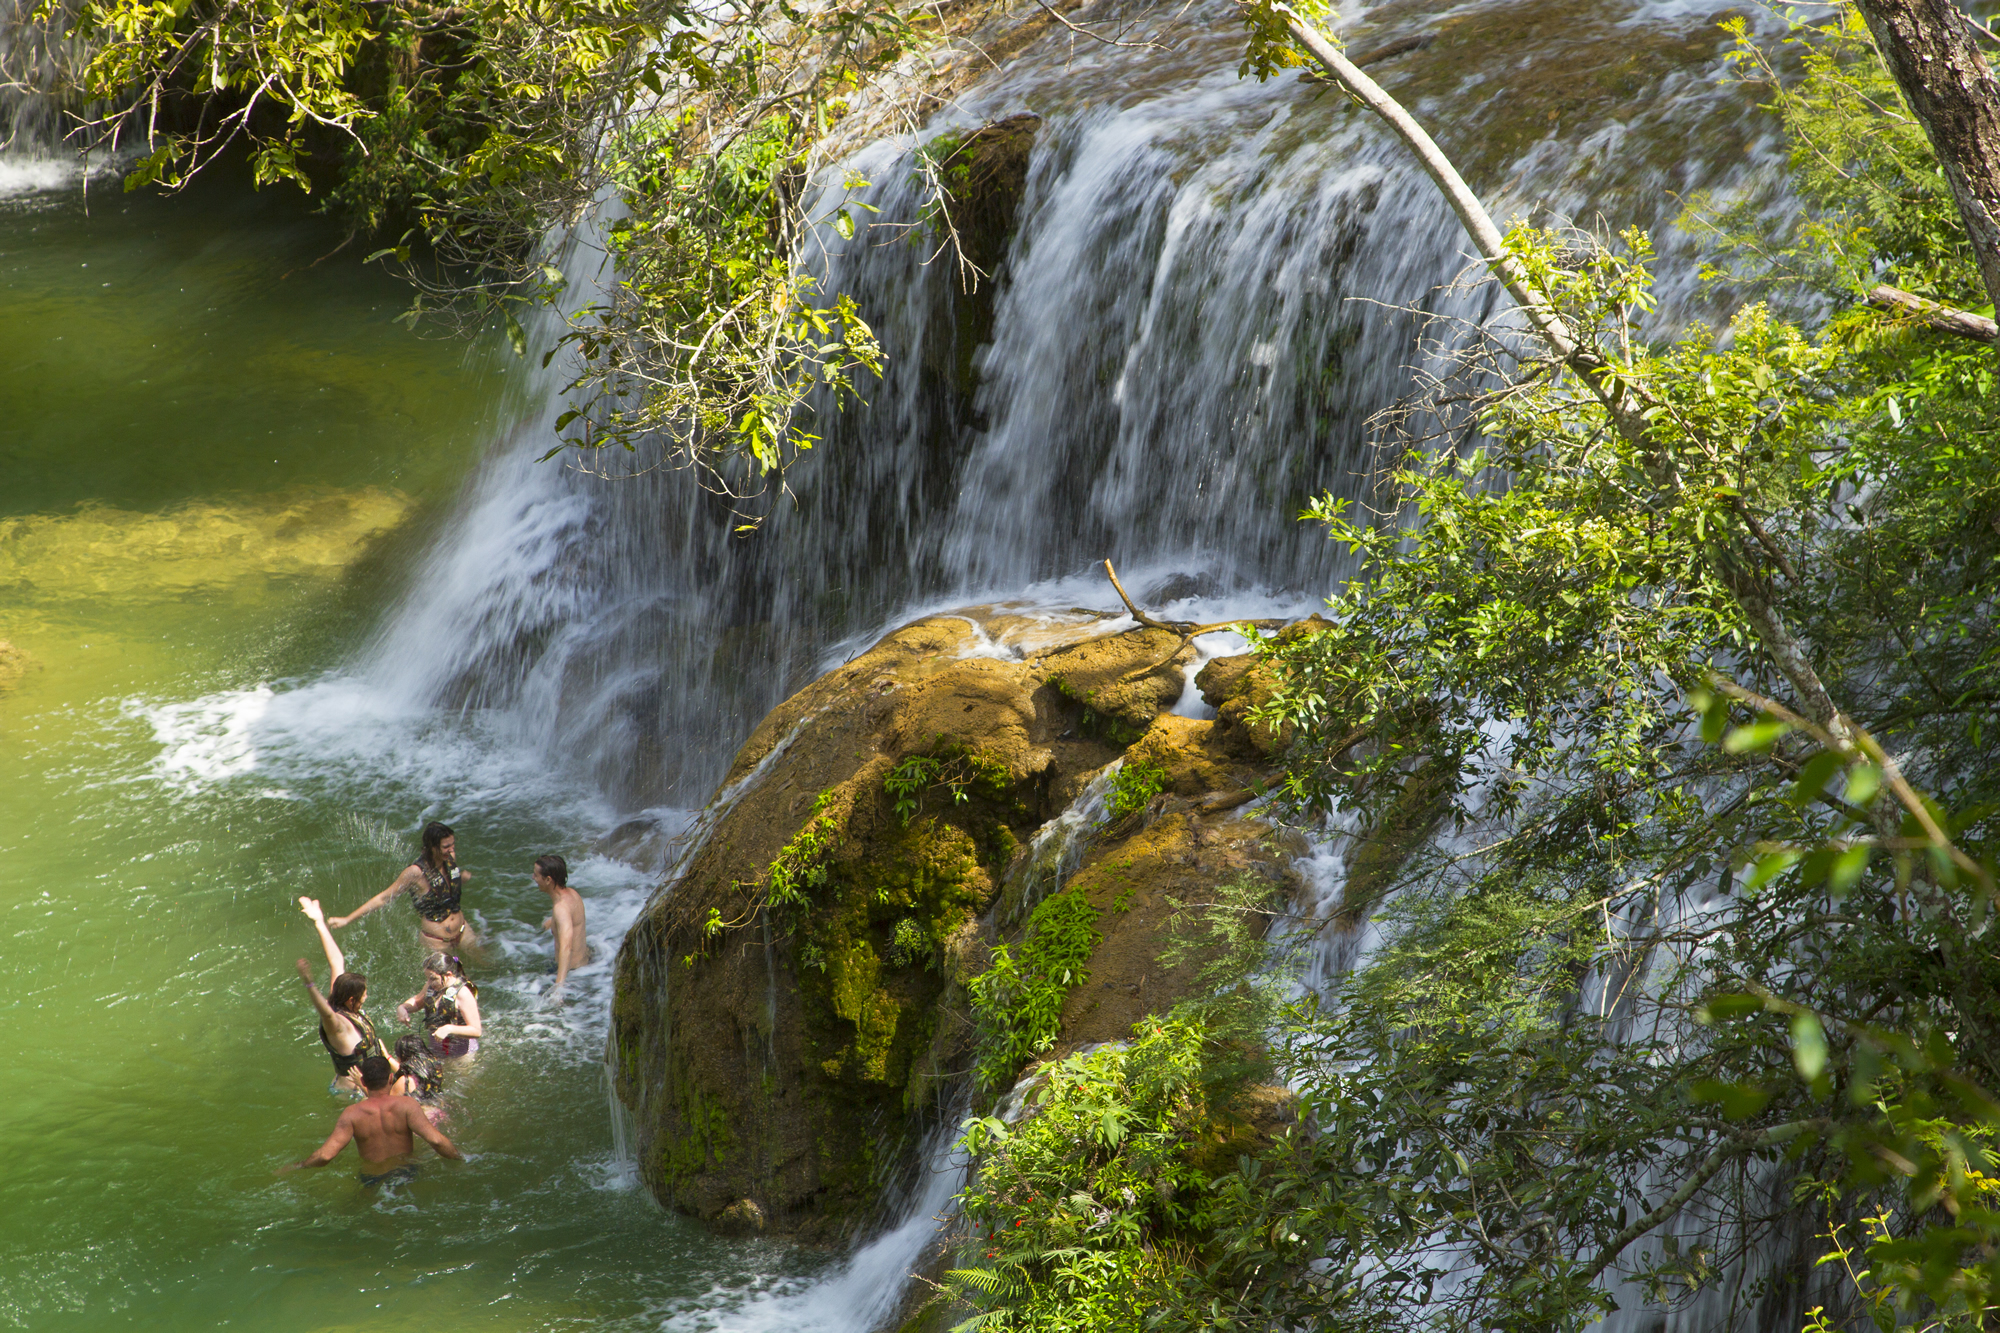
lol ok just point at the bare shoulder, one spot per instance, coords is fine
(572, 902)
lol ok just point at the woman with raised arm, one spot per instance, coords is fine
(433, 882)
(449, 1005)
(343, 1029)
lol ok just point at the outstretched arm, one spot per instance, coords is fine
(335, 959)
(378, 900)
(329, 1150)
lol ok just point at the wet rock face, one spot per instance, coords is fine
(983, 175)
(784, 1052)
(791, 1005)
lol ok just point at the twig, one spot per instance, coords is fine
(1186, 629)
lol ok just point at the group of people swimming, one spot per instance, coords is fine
(400, 1089)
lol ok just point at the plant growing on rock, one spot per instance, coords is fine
(800, 868)
(1088, 1209)
(1071, 1213)
(1017, 1002)
(1134, 785)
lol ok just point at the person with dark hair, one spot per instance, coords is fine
(418, 1076)
(383, 1127)
(343, 1029)
(449, 1005)
(565, 916)
(434, 882)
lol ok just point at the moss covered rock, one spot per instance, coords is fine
(790, 1004)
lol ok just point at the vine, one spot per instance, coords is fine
(800, 867)
(909, 780)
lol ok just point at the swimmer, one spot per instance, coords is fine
(417, 1076)
(433, 881)
(383, 1128)
(565, 916)
(450, 1006)
(343, 1029)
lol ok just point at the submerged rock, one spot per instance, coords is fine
(742, 1218)
(14, 664)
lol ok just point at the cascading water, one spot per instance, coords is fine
(1213, 285)
(1207, 297)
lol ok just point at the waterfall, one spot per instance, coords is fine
(38, 58)
(1214, 284)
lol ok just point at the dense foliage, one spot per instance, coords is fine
(1017, 1001)
(1696, 947)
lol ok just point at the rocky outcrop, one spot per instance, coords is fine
(792, 1004)
(982, 177)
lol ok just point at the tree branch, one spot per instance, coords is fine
(1965, 324)
(1628, 405)
(1952, 92)
(1186, 629)
(1722, 1154)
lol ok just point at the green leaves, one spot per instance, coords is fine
(1017, 1002)
(1808, 1045)
(479, 130)
(1532, 618)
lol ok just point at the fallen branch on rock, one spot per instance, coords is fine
(1184, 628)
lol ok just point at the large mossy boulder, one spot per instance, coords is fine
(791, 1008)
(790, 1004)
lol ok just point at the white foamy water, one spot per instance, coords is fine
(863, 1291)
(344, 732)
(37, 175)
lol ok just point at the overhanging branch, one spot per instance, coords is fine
(1938, 316)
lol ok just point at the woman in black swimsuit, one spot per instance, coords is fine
(343, 1029)
(418, 1076)
(450, 1007)
(433, 882)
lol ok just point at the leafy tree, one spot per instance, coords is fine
(1692, 624)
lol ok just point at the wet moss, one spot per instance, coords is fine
(707, 1137)
(869, 1003)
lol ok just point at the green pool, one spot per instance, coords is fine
(219, 461)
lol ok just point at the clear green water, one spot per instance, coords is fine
(217, 461)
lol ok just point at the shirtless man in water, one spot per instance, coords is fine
(565, 916)
(383, 1128)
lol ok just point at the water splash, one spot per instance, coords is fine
(863, 1291)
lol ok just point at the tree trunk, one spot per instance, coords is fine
(1951, 89)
